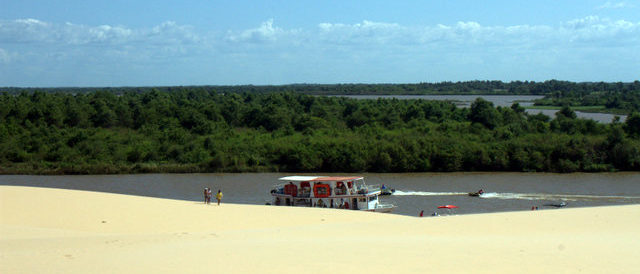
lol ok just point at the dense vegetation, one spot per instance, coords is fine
(604, 97)
(201, 130)
(620, 98)
(560, 92)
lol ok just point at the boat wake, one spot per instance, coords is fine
(553, 197)
(426, 193)
(522, 196)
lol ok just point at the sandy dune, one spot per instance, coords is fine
(66, 231)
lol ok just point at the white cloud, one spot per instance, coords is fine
(35, 31)
(366, 25)
(267, 32)
(470, 26)
(381, 34)
(5, 56)
(23, 30)
(364, 51)
(615, 5)
(171, 32)
(366, 32)
(86, 35)
(602, 30)
(590, 28)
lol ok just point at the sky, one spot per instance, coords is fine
(73, 43)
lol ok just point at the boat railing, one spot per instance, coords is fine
(366, 189)
(373, 187)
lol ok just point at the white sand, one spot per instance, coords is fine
(66, 231)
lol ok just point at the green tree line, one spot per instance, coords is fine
(554, 89)
(204, 130)
(618, 97)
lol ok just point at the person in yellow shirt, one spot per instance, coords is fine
(219, 196)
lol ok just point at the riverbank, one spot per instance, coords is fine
(173, 168)
(55, 230)
(107, 169)
(586, 109)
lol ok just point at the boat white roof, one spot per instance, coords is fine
(320, 178)
(298, 178)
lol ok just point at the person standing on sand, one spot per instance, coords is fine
(219, 196)
(206, 195)
(209, 195)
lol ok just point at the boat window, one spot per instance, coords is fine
(364, 200)
(373, 198)
(305, 189)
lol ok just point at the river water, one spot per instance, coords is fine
(460, 100)
(414, 191)
(497, 100)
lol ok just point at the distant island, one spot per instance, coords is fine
(290, 128)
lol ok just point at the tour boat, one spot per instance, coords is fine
(331, 192)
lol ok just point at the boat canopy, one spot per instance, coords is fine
(319, 178)
(298, 178)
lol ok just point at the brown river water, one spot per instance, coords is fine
(414, 191)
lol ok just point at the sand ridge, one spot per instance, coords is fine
(69, 231)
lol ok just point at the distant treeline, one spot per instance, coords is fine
(622, 98)
(205, 130)
(553, 88)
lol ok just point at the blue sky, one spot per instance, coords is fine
(189, 42)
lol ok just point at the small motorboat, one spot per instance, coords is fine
(561, 204)
(387, 191)
(477, 193)
(449, 210)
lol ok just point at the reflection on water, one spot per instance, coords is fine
(414, 191)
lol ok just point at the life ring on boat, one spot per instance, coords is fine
(321, 190)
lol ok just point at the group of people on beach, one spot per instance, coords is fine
(208, 195)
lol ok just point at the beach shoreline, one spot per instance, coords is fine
(55, 230)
